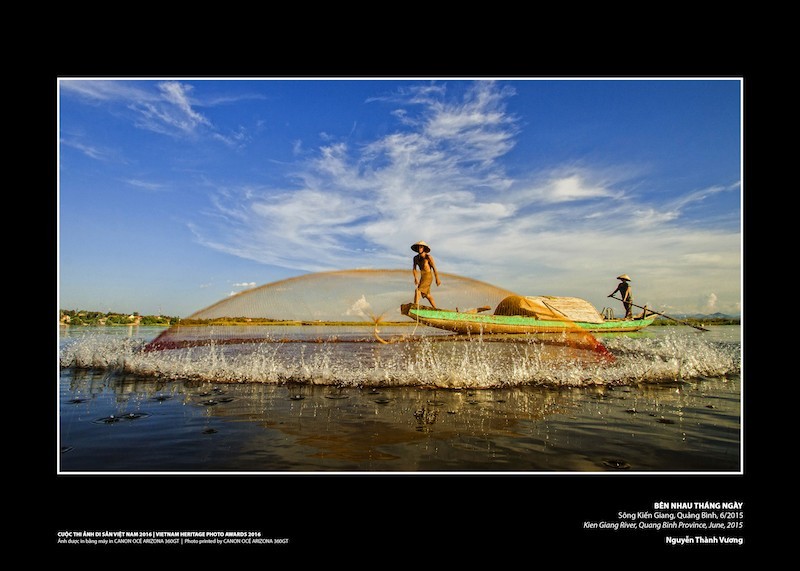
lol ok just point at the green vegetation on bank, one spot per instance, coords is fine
(267, 321)
(82, 317)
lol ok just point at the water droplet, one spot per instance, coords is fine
(616, 464)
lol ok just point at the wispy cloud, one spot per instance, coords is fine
(699, 196)
(439, 177)
(171, 112)
(104, 90)
(90, 151)
(146, 185)
(166, 107)
(236, 139)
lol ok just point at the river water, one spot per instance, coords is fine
(328, 400)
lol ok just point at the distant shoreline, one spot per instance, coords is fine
(233, 321)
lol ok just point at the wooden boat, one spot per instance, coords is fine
(529, 314)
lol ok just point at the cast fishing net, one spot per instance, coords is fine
(364, 297)
(355, 297)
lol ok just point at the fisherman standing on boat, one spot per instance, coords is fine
(624, 289)
(424, 261)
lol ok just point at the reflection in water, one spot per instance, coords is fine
(321, 400)
(199, 426)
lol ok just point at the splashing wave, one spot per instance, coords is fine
(430, 361)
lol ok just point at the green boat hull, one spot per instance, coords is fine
(471, 323)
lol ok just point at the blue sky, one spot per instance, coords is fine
(176, 192)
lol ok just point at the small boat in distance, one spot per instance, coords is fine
(527, 314)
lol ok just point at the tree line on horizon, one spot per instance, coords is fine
(84, 317)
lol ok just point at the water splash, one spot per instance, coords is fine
(437, 361)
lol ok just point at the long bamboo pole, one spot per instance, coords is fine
(662, 315)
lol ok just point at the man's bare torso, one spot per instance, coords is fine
(422, 262)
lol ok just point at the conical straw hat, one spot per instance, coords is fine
(624, 277)
(416, 246)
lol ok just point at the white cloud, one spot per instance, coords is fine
(171, 113)
(169, 109)
(104, 90)
(88, 150)
(236, 140)
(573, 188)
(145, 185)
(360, 308)
(702, 194)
